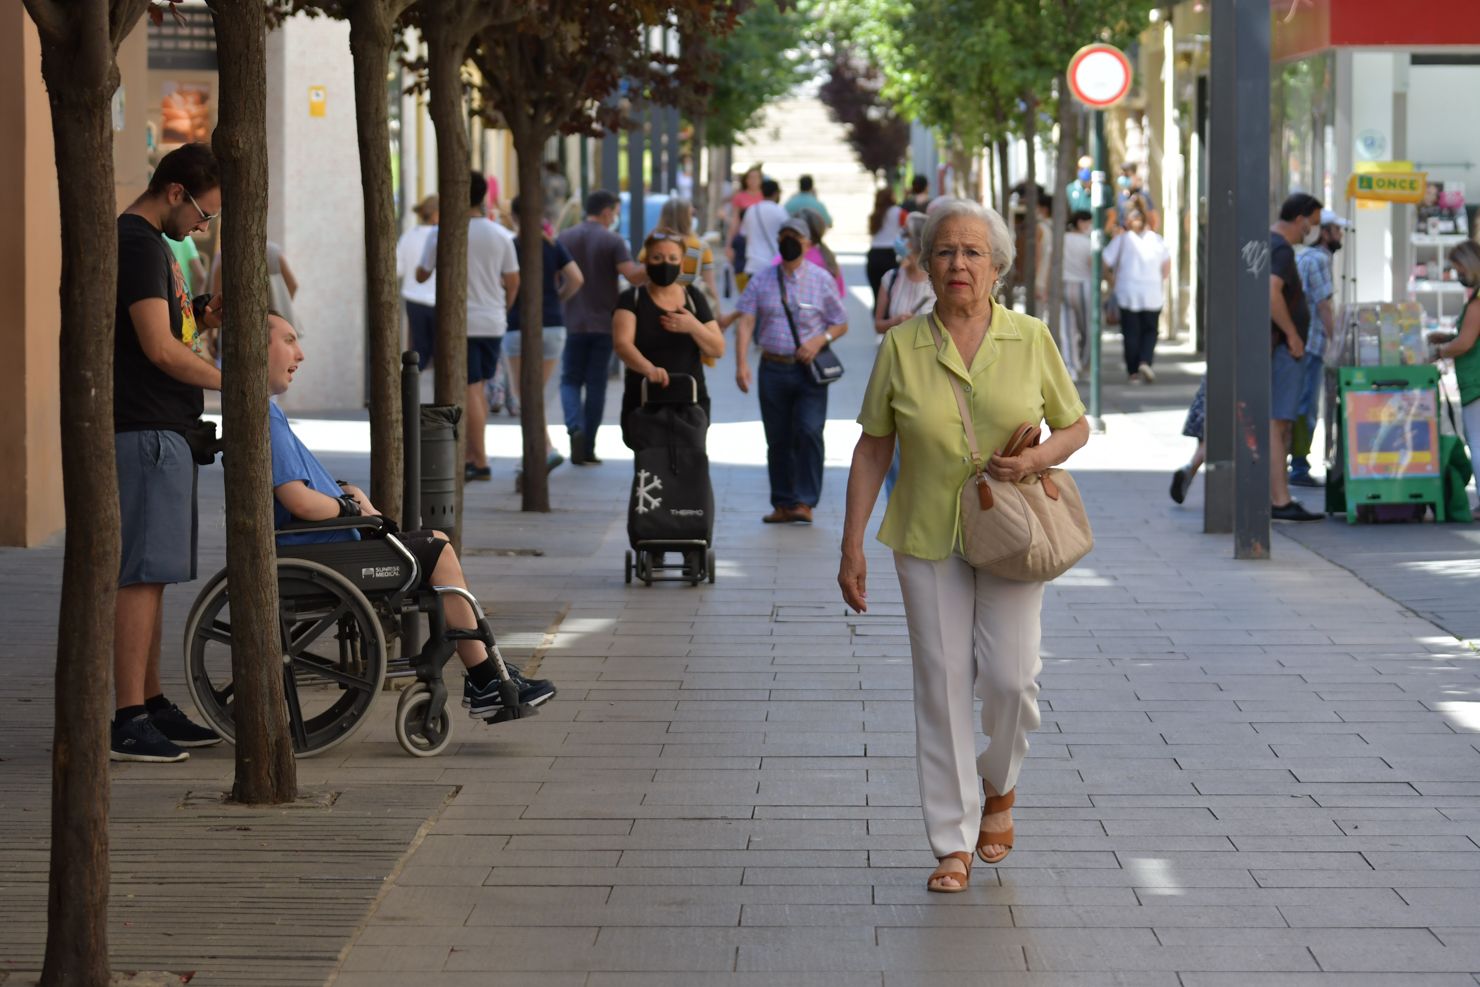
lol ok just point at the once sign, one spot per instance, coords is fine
(1099, 75)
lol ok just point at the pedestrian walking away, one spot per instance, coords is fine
(793, 405)
(1289, 323)
(420, 297)
(493, 285)
(884, 226)
(1194, 427)
(160, 372)
(560, 279)
(1314, 265)
(905, 293)
(1078, 272)
(602, 257)
(972, 634)
(762, 228)
(1140, 262)
(806, 198)
(664, 327)
(747, 195)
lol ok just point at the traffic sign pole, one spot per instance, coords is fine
(1099, 76)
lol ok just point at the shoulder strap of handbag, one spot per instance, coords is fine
(961, 405)
(790, 319)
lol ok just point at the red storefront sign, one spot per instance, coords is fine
(1304, 27)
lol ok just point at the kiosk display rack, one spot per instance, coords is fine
(1387, 446)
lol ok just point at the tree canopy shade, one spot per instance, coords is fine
(880, 138)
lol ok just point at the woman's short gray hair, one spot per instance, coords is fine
(998, 239)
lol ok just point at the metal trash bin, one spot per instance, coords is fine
(439, 466)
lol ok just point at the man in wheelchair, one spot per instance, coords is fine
(304, 490)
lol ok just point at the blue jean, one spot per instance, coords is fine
(1307, 410)
(584, 365)
(793, 411)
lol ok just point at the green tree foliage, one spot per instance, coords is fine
(879, 136)
(762, 59)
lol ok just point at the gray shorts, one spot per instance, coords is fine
(553, 343)
(156, 507)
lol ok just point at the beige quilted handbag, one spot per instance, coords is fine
(1030, 531)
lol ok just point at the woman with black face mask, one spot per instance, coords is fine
(663, 327)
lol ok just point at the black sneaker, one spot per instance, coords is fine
(474, 474)
(1294, 511)
(1179, 485)
(175, 726)
(577, 448)
(482, 702)
(138, 739)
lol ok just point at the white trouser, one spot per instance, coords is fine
(971, 634)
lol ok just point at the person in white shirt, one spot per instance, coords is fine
(493, 283)
(761, 227)
(1141, 263)
(420, 297)
(1074, 326)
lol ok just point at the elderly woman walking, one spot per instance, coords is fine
(972, 634)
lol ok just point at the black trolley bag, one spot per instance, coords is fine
(671, 505)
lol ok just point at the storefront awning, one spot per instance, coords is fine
(1305, 27)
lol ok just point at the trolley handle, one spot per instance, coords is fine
(681, 389)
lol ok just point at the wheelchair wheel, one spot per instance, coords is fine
(333, 655)
(629, 566)
(415, 736)
(709, 565)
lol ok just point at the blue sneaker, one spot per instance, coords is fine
(175, 726)
(481, 703)
(138, 739)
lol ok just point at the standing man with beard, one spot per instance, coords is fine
(160, 371)
(793, 405)
(1314, 264)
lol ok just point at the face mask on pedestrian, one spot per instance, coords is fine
(616, 224)
(1312, 234)
(662, 275)
(901, 248)
(791, 248)
(1085, 175)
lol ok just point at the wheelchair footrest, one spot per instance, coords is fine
(512, 713)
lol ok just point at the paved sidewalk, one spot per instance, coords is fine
(1246, 771)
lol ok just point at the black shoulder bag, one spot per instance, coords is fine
(825, 366)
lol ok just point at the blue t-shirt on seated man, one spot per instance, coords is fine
(291, 461)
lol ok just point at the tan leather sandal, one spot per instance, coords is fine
(942, 874)
(1001, 837)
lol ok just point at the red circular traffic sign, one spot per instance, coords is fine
(1099, 75)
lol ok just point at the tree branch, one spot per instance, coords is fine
(51, 19)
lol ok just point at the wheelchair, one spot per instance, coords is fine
(338, 604)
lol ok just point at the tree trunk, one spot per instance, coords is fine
(370, 39)
(529, 145)
(1068, 150)
(265, 772)
(719, 170)
(446, 50)
(1004, 180)
(1030, 208)
(77, 62)
(698, 144)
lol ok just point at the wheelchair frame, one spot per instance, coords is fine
(359, 591)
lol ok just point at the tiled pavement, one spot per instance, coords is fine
(1247, 772)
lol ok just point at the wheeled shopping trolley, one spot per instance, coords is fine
(671, 510)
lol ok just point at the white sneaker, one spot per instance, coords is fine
(1147, 374)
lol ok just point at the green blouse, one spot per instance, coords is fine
(1016, 376)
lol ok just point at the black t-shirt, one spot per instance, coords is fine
(1282, 266)
(555, 257)
(144, 396)
(675, 352)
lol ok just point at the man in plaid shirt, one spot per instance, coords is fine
(1314, 265)
(793, 406)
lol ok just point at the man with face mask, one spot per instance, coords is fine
(1078, 190)
(1314, 264)
(160, 371)
(793, 406)
(1289, 315)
